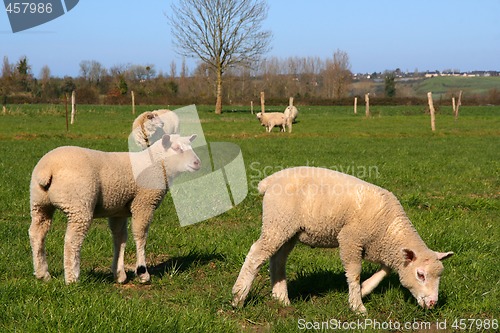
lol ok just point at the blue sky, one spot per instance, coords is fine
(377, 34)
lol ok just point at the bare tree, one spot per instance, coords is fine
(173, 70)
(222, 33)
(7, 68)
(338, 75)
(92, 71)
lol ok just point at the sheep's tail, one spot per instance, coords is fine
(43, 177)
(265, 183)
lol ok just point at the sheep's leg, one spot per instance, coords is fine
(270, 127)
(351, 256)
(373, 281)
(253, 262)
(78, 226)
(41, 219)
(277, 267)
(259, 252)
(140, 227)
(118, 228)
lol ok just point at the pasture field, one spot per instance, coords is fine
(442, 85)
(448, 182)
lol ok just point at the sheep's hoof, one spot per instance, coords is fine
(283, 299)
(142, 274)
(71, 281)
(237, 302)
(121, 278)
(44, 277)
(285, 302)
(360, 310)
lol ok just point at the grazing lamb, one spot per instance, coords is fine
(325, 208)
(271, 119)
(150, 126)
(87, 184)
(291, 114)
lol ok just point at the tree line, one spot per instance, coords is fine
(305, 78)
(310, 80)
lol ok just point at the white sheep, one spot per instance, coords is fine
(150, 126)
(325, 208)
(271, 119)
(291, 114)
(87, 184)
(170, 121)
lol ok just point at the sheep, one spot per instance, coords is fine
(150, 126)
(170, 121)
(291, 114)
(146, 128)
(86, 184)
(271, 119)
(324, 208)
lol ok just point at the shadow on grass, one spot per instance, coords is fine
(172, 266)
(318, 283)
(176, 265)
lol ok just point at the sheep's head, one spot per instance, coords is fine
(179, 154)
(421, 273)
(151, 122)
(259, 118)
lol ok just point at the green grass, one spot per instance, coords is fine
(448, 182)
(443, 85)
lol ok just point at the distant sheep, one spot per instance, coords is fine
(170, 121)
(271, 119)
(87, 184)
(325, 208)
(291, 114)
(150, 126)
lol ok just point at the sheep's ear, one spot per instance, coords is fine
(165, 141)
(408, 256)
(444, 255)
(192, 137)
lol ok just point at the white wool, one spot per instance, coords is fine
(150, 126)
(291, 114)
(86, 183)
(271, 119)
(325, 208)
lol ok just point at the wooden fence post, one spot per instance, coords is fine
(251, 107)
(355, 105)
(455, 110)
(73, 107)
(431, 108)
(367, 100)
(4, 104)
(262, 102)
(133, 101)
(66, 107)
